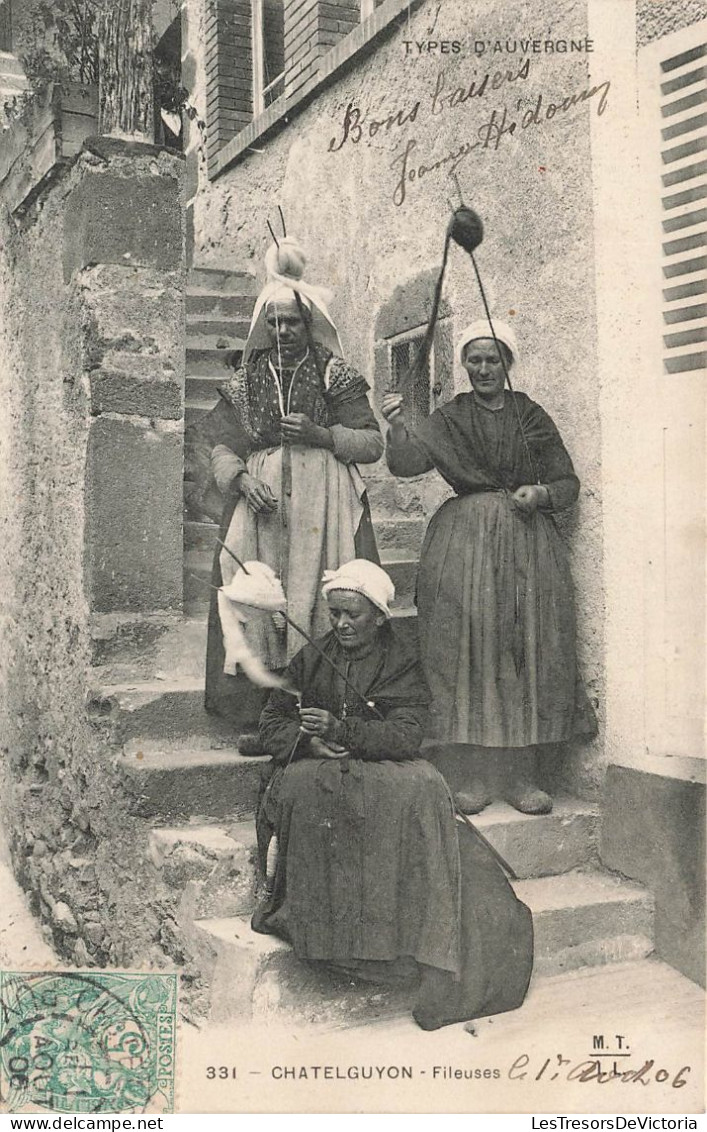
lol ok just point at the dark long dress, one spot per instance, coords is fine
(495, 595)
(368, 876)
(247, 421)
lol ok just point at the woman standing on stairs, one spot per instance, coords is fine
(495, 600)
(286, 436)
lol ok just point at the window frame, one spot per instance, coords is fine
(376, 22)
(260, 87)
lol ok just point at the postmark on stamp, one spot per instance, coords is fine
(98, 1041)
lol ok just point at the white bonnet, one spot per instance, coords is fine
(362, 577)
(482, 329)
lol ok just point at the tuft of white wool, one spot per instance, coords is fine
(286, 259)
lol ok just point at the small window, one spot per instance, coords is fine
(268, 53)
(415, 388)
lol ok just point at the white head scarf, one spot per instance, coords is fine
(482, 329)
(285, 263)
(362, 577)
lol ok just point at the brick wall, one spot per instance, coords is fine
(313, 27)
(229, 71)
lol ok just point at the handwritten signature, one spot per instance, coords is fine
(411, 163)
(592, 1070)
(489, 135)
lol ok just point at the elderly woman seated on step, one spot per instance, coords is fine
(356, 832)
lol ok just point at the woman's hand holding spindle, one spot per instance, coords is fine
(392, 409)
(319, 722)
(297, 428)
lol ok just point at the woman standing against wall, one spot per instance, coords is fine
(495, 596)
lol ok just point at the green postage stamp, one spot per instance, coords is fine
(87, 1042)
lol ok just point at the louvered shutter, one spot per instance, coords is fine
(672, 274)
(683, 111)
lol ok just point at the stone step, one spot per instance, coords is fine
(207, 359)
(220, 304)
(199, 326)
(195, 411)
(173, 780)
(252, 976)
(218, 280)
(581, 920)
(10, 65)
(543, 845)
(209, 870)
(203, 389)
(166, 710)
(556, 843)
(131, 648)
(210, 338)
(587, 920)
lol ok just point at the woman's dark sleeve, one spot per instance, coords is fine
(555, 469)
(405, 455)
(396, 737)
(280, 721)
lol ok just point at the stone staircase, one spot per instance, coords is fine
(197, 794)
(13, 82)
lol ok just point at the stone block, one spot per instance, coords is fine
(133, 516)
(121, 393)
(172, 782)
(653, 831)
(259, 977)
(544, 845)
(212, 873)
(402, 568)
(586, 920)
(401, 534)
(130, 648)
(129, 220)
(135, 321)
(220, 279)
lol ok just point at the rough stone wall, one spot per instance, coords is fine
(533, 192)
(656, 18)
(74, 846)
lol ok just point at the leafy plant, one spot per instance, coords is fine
(59, 42)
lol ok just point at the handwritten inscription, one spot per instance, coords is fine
(411, 163)
(646, 1074)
